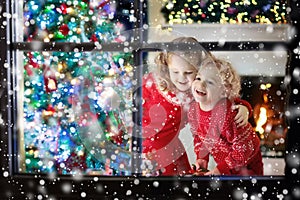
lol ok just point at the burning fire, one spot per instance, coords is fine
(263, 112)
(262, 119)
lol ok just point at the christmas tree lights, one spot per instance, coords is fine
(77, 105)
(225, 11)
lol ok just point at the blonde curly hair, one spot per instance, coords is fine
(229, 77)
(194, 57)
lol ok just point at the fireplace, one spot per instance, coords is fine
(268, 98)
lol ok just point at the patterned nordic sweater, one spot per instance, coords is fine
(235, 150)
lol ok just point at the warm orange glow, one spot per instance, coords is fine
(262, 119)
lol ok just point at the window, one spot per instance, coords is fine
(253, 36)
(74, 106)
(70, 74)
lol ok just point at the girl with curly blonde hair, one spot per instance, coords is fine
(236, 150)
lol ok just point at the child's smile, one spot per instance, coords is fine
(207, 87)
(200, 93)
(182, 73)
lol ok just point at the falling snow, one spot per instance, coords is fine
(18, 182)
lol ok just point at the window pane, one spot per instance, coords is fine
(75, 21)
(263, 86)
(76, 112)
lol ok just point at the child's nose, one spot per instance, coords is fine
(203, 83)
(182, 77)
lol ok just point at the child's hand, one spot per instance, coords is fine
(241, 118)
(197, 172)
(201, 164)
(215, 171)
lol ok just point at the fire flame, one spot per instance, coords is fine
(262, 119)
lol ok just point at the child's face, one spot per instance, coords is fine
(182, 73)
(207, 87)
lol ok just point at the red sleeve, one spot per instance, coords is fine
(223, 168)
(199, 148)
(244, 145)
(244, 103)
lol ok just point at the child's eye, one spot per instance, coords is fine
(189, 73)
(198, 78)
(210, 82)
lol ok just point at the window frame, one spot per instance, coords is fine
(43, 185)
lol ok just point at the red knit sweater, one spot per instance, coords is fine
(163, 118)
(235, 150)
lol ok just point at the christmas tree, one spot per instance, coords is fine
(77, 105)
(225, 11)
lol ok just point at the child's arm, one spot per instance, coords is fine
(244, 112)
(202, 154)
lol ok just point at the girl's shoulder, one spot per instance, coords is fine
(151, 89)
(148, 82)
(148, 77)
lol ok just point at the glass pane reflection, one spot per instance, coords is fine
(76, 113)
